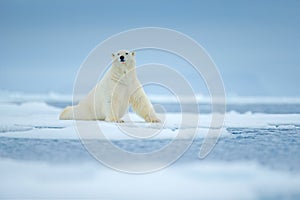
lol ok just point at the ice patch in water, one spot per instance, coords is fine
(13, 128)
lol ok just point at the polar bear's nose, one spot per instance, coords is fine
(122, 58)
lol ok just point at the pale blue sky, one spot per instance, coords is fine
(255, 44)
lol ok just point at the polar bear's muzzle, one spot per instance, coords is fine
(122, 59)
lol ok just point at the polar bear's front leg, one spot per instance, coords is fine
(142, 106)
(110, 117)
(111, 112)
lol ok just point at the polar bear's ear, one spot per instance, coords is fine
(113, 55)
(132, 53)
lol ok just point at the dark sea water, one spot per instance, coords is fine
(275, 148)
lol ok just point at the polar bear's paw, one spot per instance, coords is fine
(155, 121)
(114, 120)
(152, 120)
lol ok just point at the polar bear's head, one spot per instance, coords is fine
(124, 58)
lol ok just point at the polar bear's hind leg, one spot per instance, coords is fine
(67, 113)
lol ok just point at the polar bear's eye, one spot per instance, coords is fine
(126, 53)
(118, 54)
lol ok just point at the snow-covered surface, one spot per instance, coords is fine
(39, 120)
(42, 157)
(189, 181)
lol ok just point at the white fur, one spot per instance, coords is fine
(111, 97)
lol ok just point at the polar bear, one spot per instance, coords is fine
(111, 97)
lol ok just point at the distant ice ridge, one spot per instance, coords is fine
(7, 96)
(228, 100)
